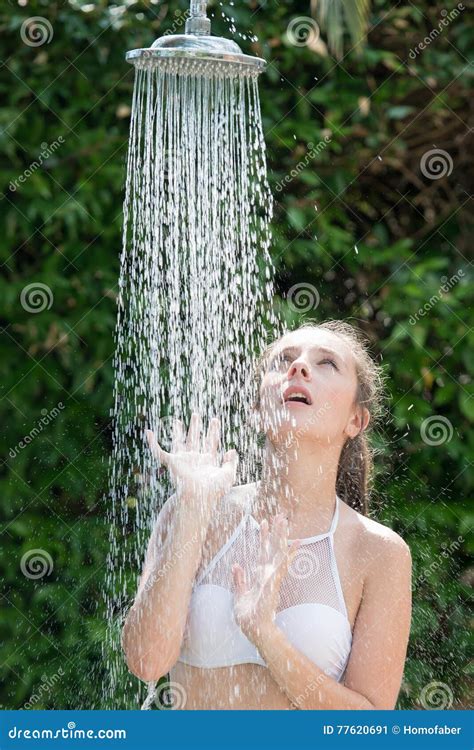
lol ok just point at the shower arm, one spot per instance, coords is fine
(197, 22)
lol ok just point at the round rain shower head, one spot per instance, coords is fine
(196, 52)
(187, 54)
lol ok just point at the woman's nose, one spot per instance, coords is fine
(299, 367)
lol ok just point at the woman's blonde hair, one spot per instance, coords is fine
(356, 461)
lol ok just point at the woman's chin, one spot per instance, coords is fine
(296, 419)
(297, 413)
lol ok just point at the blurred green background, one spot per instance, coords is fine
(375, 216)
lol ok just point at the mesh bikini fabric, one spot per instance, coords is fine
(313, 579)
(309, 580)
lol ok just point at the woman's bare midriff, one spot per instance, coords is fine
(243, 686)
(251, 686)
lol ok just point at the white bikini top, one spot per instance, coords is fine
(311, 611)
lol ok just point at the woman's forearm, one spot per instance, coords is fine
(305, 684)
(155, 623)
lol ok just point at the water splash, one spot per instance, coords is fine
(194, 303)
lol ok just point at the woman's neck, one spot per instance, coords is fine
(301, 483)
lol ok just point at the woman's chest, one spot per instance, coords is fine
(352, 565)
(331, 571)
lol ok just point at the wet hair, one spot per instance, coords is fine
(356, 461)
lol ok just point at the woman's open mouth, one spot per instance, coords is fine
(297, 394)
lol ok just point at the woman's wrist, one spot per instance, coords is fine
(207, 496)
(262, 633)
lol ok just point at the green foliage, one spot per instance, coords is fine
(359, 222)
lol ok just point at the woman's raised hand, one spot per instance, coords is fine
(193, 461)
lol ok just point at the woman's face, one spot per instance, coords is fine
(309, 389)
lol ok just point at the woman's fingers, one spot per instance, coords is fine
(239, 578)
(156, 450)
(178, 442)
(263, 553)
(230, 457)
(192, 440)
(213, 436)
(279, 536)
(231, 460)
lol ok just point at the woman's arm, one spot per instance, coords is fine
(154, 626)
(375, 669)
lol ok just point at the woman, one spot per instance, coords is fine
(306, 603)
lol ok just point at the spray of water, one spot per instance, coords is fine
(194, 303)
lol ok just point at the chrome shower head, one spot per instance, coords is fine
(196, 52)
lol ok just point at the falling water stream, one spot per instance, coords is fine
(193, 308)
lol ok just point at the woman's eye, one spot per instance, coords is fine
(280, 361)
(330, 361)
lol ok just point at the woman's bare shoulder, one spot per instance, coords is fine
(378, 546)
